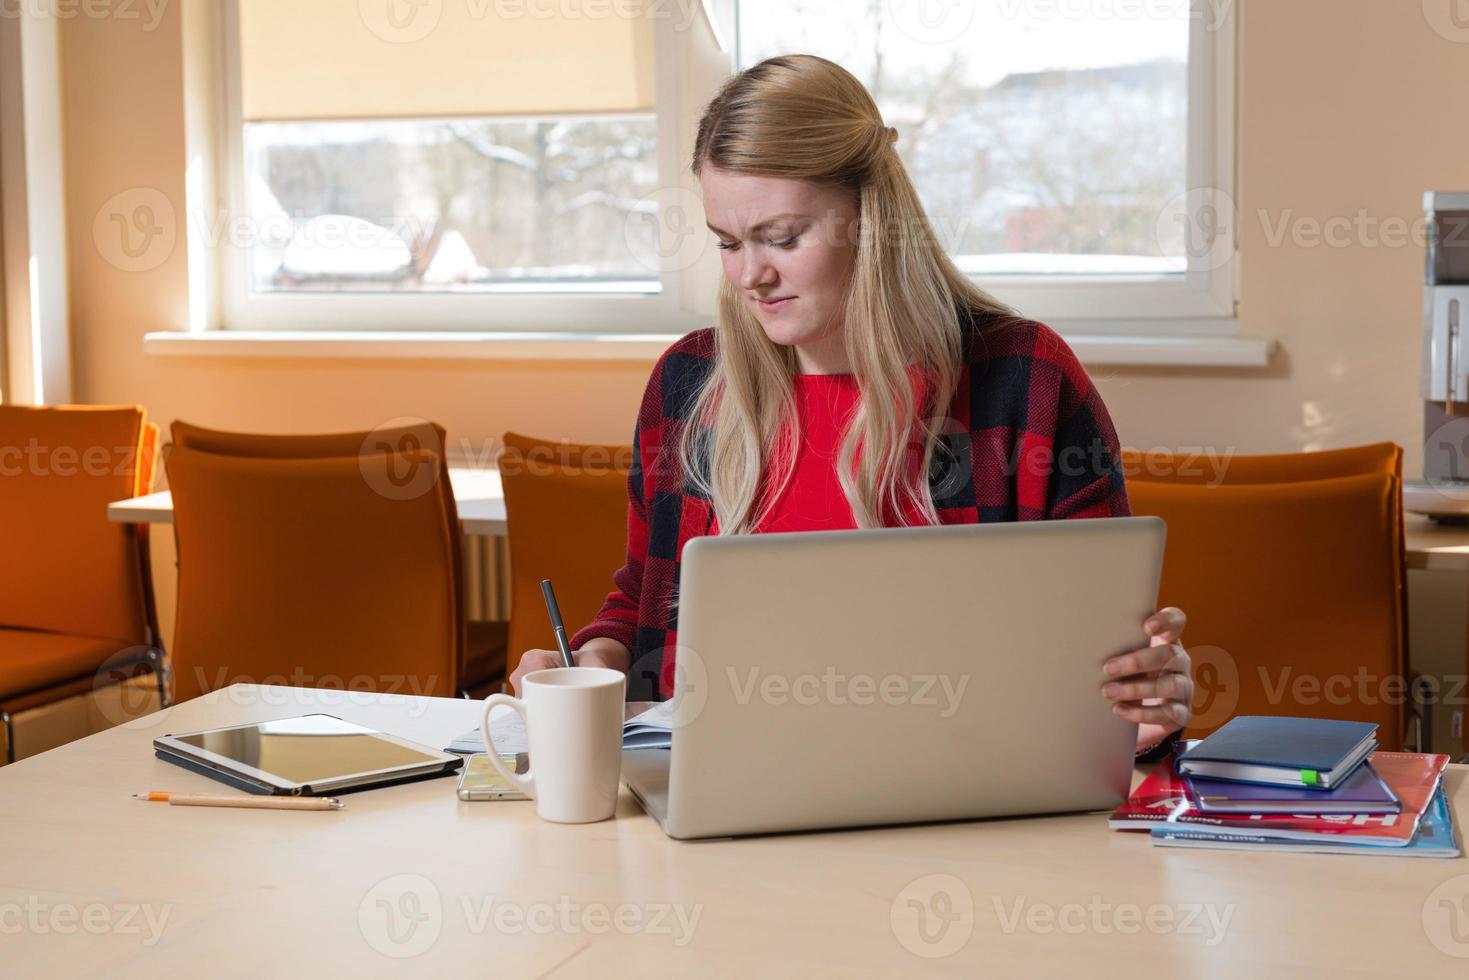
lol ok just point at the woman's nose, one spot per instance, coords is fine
(756, 270)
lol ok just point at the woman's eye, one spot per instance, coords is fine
(785, 243)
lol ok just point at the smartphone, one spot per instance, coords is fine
(482, 781)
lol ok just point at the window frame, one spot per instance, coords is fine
(1199, 303)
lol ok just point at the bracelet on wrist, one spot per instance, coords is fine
(1167, 740)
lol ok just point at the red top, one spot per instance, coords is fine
(813, 500)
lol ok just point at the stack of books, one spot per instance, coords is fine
(1295, 784)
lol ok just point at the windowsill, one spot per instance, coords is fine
(1093, 349)
(409, 345)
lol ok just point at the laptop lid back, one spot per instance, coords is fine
(897, 675)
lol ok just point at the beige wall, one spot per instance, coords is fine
(1341, 109)
(1340, 112)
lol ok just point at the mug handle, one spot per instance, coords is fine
(526, 784)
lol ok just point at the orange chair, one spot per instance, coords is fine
(76, 610)
(483, 663)
(566, 507)
(339, 571)
(1291, 569)
(1151, 467)
(413, 437)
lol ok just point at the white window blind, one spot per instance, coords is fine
(340, 59)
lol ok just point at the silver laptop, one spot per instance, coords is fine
(856, 678)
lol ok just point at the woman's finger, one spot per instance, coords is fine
(1166, 625)
(529, 661)
(1178, 664)
(1169, 685)
(1170, 714)
(1142, 661)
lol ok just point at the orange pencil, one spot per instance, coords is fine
(252, 802)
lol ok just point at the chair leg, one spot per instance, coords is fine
(1423, 694)
(162, 672)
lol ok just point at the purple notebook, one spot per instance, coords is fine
(1363, 792)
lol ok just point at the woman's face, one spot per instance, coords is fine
(787, 247)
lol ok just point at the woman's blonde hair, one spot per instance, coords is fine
(805, 118)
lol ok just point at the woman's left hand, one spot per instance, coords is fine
(1153, 686)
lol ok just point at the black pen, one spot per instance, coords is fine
(550, 596)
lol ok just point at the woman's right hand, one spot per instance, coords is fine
(534, 660)
(600, 652)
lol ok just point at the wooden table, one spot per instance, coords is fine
(408, 878)
(1436, 547)
(477, 494)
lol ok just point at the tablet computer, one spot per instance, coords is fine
(309, 755)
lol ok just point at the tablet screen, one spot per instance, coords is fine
(307, 749)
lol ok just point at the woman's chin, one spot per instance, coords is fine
(785, 334)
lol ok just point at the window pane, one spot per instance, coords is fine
(1043, 138)
(467, 205)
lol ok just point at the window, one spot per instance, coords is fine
(522, 164)
(1059, 146)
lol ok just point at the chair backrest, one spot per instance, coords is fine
(412, 437)
(409, 437)
(566, 509)
(147, 463)
(1212, 468)
(338, 571)
(67, 569)
(530, 452)
(1291, 571)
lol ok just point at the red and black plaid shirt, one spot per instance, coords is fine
(1028, 438)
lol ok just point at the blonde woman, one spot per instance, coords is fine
(855, 379)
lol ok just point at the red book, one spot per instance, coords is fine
(1162, 799)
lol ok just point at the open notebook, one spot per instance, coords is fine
(650, 729)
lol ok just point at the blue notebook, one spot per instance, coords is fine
(1316, 753)
(1364, 791)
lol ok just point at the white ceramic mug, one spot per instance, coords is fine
(573, 723)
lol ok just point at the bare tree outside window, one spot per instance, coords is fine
(458, 205)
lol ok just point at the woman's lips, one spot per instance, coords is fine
(775, 306)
